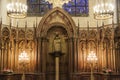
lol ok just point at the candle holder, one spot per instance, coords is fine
(23, 62)
(92, 58)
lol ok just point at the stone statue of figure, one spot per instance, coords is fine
(57, 43)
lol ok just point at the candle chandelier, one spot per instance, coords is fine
(103, 9)
(58, 3)
(17, 10)
(23, 56)
(92, 57)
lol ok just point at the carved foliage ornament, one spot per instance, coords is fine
(5, 32)
(29, 34)
(92, 34)
(108, 32)
(83, 34)
(21, 34)
(13, 33)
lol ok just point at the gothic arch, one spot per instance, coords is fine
(56, 20)
(56, 17)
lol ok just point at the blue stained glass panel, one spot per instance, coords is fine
(44, 9)
(82, 11)
(70, 3)
(70, 10)
(77, 7)
(43, 2)
(80, 2)
(34, 8)
(73, 7)
(33, 1)
(38, 7)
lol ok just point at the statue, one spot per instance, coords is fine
(57, 43)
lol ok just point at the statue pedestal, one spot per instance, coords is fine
(57, 55)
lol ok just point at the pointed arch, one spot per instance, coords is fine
(56, 17)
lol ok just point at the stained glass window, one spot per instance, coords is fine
(38, 7)
(74, 7)
(77, 7)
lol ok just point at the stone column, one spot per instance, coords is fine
(57, 68)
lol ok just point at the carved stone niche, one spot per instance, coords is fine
(60, 22)
(63, 38)
(63, 49)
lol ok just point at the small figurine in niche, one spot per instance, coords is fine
(57, 42)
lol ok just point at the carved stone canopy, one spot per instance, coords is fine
(56, 17)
